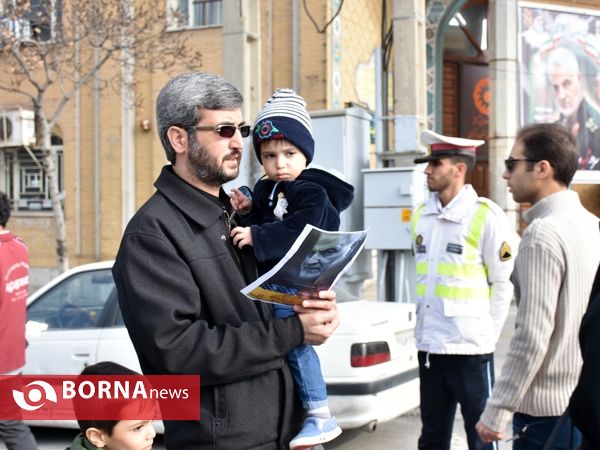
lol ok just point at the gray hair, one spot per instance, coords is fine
(181, 101)
(562, 57)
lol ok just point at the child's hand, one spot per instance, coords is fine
(240, 202)
(241, 236)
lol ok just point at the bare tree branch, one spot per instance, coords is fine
(42, 54)
(26, 70)
(14, 90)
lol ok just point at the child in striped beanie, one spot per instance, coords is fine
(284, 116)
(281, 205)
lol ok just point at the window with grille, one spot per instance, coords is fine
(196, 13)
(25, 181)
(35, 20)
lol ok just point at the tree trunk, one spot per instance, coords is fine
(49, 163)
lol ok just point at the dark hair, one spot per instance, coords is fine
(101, 368)
(551, 142)
(4, 209)
(467, 160)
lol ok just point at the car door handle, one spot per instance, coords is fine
(82, 354)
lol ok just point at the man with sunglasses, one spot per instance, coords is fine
(178, 278)
(553, 276)
(463, 250)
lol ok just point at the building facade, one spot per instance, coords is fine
(413, 63)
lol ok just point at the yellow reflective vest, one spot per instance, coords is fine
(464, 255)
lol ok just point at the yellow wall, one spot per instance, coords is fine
(357, 39)
(359, 35)
(37, 229)
(277, 51)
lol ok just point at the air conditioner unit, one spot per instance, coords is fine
(17, 128)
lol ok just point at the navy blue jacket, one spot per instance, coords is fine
(315, 197)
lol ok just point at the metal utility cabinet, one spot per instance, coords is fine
(342, 142)
(390, 196)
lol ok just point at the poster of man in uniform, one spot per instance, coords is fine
(559, 55)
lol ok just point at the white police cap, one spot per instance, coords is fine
(444, 146)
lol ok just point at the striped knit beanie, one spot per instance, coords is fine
(284, 116)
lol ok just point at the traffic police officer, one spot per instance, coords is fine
(463, 248)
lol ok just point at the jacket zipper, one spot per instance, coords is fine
(228, 220)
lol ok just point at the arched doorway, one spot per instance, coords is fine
(465, 83)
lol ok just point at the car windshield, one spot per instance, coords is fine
(76, 302)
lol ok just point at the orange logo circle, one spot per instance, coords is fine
(482, 96)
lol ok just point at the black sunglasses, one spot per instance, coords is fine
(226, 131)
(511, 163)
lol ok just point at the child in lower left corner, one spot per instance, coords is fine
(112, 434)
(291, 197)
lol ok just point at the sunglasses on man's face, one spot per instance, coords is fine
(511, 162)
(226, 131)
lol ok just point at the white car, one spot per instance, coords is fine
(369, 364)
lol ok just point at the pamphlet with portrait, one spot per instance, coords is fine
(316, 260)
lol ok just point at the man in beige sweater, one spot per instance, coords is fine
(553, 275)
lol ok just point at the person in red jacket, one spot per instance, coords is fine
(14, 284)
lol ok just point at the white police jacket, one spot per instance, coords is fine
(464, 256)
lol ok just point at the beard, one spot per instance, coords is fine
(207, 168)
(437, 185)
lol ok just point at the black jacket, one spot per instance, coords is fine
(178, 279)
(588, 136)
(584, 407)
(315, 197)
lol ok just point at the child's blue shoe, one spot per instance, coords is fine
(315, 431)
